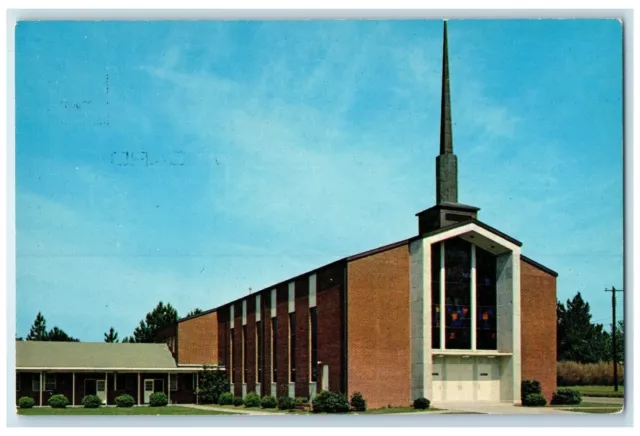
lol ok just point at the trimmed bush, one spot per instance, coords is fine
(587, 374)
(238, 401)
(330, 402)
(158, 399)
(252, 400)
(300, 401)
(528, 387)
(91, 402)
(358, 402)
(534, 400)
(225, 399)
(26, 402)
(421, 403)
(58, 401)
(269, 402)
(125, 400)
(286, 403)
(566, 396)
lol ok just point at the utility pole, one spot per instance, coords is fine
(613, 291)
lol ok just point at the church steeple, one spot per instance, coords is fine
(447, 210)
(446, 162)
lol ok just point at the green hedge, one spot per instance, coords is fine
(421, 403)
(534, 400)
(566, 396)
(358, 402)
(125, 400)
(26, 402)
(286, 403)
(238, 401)
(158, 399)
(330, 402)
(58, 401)
(252, 400)
(225, 399)
(91, 402)
(268, 402)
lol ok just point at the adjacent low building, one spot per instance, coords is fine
(77, 369)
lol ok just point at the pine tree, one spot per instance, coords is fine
(38, 330)
(578, 339)
(195, 311)
(111, 336)
(128, 340)
(58, 335)
(161, 317)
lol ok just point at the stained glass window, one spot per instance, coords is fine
(458, 294)
(486, 298)
(435, 296)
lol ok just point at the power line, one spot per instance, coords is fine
(613, 335)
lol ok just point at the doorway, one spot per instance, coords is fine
(150, 386)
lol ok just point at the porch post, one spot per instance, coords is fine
(169, 388)
(41, 388)
(138, 389)
(73, 387)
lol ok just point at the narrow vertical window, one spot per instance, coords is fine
(274, 348)
(292, 347)
(486, 300)
(435, 296)
(259, 351)
(231, 360)
(457, 264)
(245, 355)
(313, 332)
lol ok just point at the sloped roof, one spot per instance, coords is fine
(92, 355)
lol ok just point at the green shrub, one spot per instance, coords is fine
(286, 403)
(211, 384)
(529, 387)
(91, 402)
(252, 400)
(566, 396)
(225, 399)
(26, 402)
(125, 400)
(58, 401)
(268, 402)
(587, 374)
(300, 401)
(421, 403)
(358, 402)
(534, 400)
(158, 399)
(330, 402)
(238, 401)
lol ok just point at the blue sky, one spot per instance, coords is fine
(260, 150)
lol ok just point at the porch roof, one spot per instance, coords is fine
(87, 356)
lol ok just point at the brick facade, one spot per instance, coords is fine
(538, 327)
(197, 343)
(379, 354)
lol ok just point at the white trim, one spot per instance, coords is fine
(244, 312)
(474, 353)
(312, 290)
(292, 297)
(471, 227)
(443, 295)
(273, 303)
(474, 302)
(231, 315)
(97, 369)
(258, 312)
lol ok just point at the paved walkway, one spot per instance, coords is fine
(236, 411)
(605, 400)
(497, 409)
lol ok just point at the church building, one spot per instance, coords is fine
(455, 313)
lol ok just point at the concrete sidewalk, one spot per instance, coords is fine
(235, 411)
(498, 409)
(610, 400)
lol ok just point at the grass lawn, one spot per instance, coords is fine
(254, 409)
(382, 411)
(140, 410)
(598, 391)
(595, 410)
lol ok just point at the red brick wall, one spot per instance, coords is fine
(538, 327)
(303, 350)
(197, 340)
(379, 354)
(329, 300)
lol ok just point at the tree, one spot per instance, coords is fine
(128, 340)
(195, 311)
(38, 331)
(578, 339)
(19, 338)
(211, 383)
(111, 336)
(620, 342)
(161, 317)
(58, 335)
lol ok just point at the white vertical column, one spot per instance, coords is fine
(258, 314)
(73, 387)
(244, 312)
(313, 386)
(273, 314)
(106, 389)
(292, 308)
(517, 345)
(443, 294)
(169, 390)
(474, 299)
(138, 389)
(41, 389)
